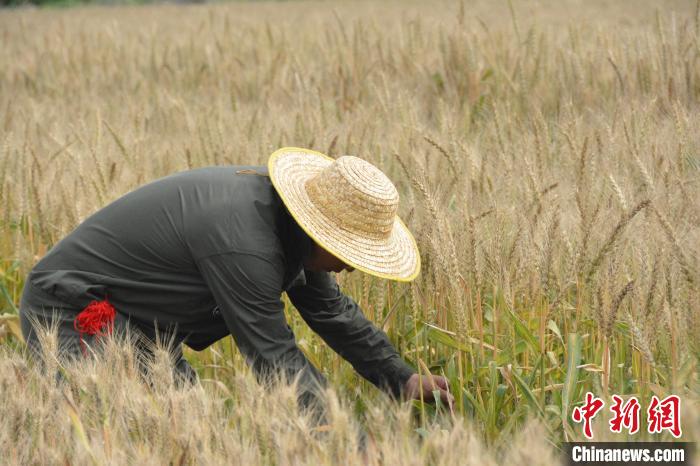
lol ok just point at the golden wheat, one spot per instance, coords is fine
(546, 157)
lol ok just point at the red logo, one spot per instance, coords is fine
(626, 415)
(665, 415)
(661, 415)
(587, 412)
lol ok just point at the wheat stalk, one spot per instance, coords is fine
(613, 237)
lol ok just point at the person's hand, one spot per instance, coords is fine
(428, 384)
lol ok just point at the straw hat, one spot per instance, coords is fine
(348, 206)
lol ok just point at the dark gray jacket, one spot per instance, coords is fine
(210, 251)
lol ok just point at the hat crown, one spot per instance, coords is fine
(356, 196)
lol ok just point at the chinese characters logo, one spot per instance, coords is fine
(661, 414)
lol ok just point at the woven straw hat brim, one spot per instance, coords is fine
(394, 258)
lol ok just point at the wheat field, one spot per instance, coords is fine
(547, 155)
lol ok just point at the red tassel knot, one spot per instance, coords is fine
(97, 318)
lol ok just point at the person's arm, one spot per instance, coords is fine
(338, 319)
(247, 289)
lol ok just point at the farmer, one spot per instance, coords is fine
(205, 253)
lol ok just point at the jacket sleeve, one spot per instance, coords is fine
(247, 289)
(338, 319)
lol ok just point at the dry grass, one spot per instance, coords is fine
(83, 420)
(547, 155)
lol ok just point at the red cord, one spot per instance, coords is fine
(97, 318)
